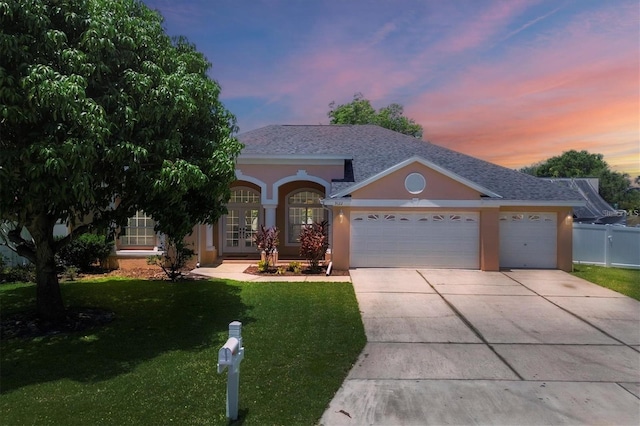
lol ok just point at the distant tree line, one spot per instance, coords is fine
(360, 111)
(616, 188)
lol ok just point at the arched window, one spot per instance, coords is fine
(303, 208)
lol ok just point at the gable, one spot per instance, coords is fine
(438, 184)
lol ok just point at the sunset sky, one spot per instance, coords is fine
(513, 82)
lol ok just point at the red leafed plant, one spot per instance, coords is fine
(266, 240)
(314, 242)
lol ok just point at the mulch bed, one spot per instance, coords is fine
(304, 273)
(154, 274)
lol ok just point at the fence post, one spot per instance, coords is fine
(608, 243)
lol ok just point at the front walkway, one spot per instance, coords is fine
(471, 347)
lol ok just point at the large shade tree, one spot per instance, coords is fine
(614, 187)
(101, 115)
(360, 111)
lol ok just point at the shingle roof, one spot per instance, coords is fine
(596, 209)
(375, 149)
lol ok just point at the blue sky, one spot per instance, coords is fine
(512, 82)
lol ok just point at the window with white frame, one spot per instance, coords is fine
(303, 208)
(139, 231)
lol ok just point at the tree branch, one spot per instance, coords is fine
(79, 230)
(19, 245)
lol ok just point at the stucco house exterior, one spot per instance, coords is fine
(391, 200)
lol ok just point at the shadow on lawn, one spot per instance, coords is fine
(151, 318)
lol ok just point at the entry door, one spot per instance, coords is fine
(241, 224)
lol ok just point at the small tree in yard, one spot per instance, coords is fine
(266, 240)
(174, 258)
(314, 243)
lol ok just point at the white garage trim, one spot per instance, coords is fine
(528, 240)
(410, 239)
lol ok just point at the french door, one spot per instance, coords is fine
(242, 221)
(240, 228)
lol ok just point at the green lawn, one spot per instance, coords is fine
(625, 281)
(156, 363)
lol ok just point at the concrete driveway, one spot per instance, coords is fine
(470, 347)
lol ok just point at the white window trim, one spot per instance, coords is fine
(288, 205)
(123, 245)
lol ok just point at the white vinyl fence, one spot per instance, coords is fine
(606, 245)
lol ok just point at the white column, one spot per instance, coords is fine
(209, 238)
(269, 215)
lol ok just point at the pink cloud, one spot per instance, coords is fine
(571, 88)
(481, 28)
(578, 93)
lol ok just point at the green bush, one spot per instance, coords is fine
(173, 260)
(263, 266)
(18, 274)
(85, 250)
(295, 267)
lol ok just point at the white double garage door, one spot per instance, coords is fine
(449, 240)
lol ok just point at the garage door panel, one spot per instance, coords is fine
(437, 240)
(528, 240)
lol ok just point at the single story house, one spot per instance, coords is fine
(391, 200)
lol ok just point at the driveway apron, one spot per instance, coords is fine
(472, 347)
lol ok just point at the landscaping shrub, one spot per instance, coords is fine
(85, 251)
(314, 242)
(295, 267)
(263, 266)
(18, 274)
(70, 273)
(266, 240)
(3, 266)
(173, 260)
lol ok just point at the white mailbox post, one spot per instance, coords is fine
(229, 356)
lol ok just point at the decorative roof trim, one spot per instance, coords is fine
(426, 163)
(422, 203)
(534, 203)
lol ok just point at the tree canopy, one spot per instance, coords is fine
(102, 114)
(360, 111)
(614, 187)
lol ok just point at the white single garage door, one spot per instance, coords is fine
(427, 240)
(528, 240)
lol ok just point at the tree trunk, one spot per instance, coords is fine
(49, 302)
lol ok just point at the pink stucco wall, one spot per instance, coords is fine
(270, 174)
(438, 187)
